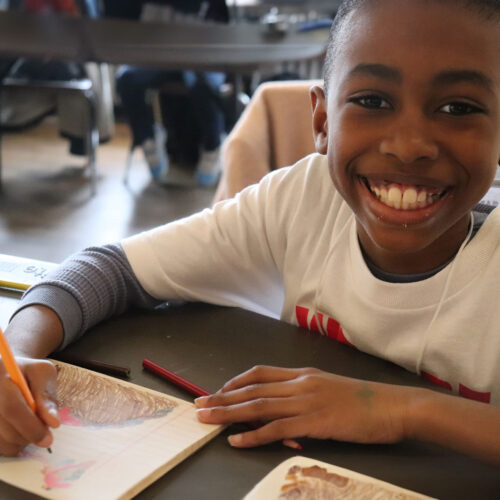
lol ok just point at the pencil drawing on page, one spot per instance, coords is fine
(86, 399)
(114, 437)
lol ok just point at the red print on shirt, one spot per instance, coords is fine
(436, 380)
(483, 397)
(464, 391)
(316, 323)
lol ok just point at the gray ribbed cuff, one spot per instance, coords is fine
(62, 303)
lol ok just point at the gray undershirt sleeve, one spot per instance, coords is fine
(87, 288)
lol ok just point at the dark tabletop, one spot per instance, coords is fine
(207, 345)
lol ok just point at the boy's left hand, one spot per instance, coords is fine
(307, 402)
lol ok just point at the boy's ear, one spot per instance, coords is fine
(319, 119)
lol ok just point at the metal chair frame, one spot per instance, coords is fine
(82, 86)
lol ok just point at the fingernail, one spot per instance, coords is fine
(53, 411)
(235, 439)
(198, 402)
(45, 442)
(203, 413)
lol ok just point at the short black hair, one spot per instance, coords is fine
(487, 9)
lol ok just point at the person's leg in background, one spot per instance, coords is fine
(132, 85)
(204, 92)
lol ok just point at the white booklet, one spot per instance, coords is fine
(19, 273)
(116, 438)
(301, 478)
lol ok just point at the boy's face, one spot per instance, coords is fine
(412, 126)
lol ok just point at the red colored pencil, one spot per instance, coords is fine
(198, 391)
(175, 379)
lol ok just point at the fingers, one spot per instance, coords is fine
(262, 408)
(261, 393)
(18, 424)
(277, 430)
(248, 393)
(262, 382)
(42, 379)
(11, 442)
(264, 374)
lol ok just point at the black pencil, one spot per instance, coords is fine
(91, 364)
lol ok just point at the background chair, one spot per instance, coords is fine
(81, 86)
(58, 77)
(274, 131)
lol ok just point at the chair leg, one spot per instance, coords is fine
(1, 183)
(128, 165)
(92, 139)
(1, 106)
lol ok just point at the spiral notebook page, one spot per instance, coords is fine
(116, 439)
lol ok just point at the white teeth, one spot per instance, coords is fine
(409, 199)
(394, 197)
(383, 195)
(404, 198)
(422, 199)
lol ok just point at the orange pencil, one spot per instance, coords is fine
(15, 373)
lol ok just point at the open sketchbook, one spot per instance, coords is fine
(19, 273)
(301, 478)
(116, 438)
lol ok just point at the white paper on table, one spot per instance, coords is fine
(324, 481)
(116, 439)
(20, 273)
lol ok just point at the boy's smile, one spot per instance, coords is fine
(411, 126)
(402, 199)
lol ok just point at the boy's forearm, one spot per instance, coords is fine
(35, 331)
(456, 423)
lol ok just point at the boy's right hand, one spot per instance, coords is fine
(19, 426)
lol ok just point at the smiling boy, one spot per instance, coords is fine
(387, 257)
(413, 119)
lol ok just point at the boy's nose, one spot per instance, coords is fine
(409, 143)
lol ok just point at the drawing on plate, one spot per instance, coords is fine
(302, 483)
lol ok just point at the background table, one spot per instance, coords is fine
(240, 48)
(208, 345)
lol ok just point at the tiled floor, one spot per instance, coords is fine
(47, 212)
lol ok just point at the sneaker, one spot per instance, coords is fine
(155, 154)
(209, 168)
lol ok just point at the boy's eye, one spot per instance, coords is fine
(371, 101)
(460, 108)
